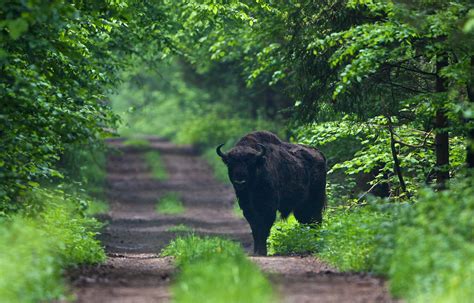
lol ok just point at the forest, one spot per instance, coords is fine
(111, 111)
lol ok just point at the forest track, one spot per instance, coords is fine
(135, 234)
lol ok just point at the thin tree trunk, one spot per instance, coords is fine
(396, 162)
(470, 121)
(441, 135)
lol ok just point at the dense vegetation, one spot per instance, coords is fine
(384, 88)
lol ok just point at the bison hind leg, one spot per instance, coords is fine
(284, 213)
(311, 212)
(308, 216)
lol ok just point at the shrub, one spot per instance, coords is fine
(95, 207)
(349, 238)
(30, 270)
(434, 256)
(40, 242)
(289, 237)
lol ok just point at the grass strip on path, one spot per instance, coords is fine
(180, 228)
(216, 270)
(170, 204)
(158, 171)
(137, 142)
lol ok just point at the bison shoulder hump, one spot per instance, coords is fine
(263, 137)
(308, 153)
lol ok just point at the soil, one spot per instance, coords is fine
(135, 234)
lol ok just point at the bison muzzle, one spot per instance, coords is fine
(270, 175)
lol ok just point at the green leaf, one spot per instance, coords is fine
(17, 27)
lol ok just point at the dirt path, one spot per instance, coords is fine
(136, 233)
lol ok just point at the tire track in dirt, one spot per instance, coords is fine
(134, 273)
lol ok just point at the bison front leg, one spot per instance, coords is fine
(260, 225)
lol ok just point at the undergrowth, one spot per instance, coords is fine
(170, 204)
(205, 263)
(288, 237)
(425, 247)
(96, 207)
(40, 242)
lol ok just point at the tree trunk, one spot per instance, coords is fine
(470, 121)
(441, 135)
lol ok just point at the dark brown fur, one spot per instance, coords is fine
(288, 178)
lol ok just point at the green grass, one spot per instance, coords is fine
(215, 270)
(193, 248)
(170, 204)
(154, 161)
(180, 228)
(38, 244)
(137, 142)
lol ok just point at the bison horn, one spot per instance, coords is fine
(219, 152)
(263, 151)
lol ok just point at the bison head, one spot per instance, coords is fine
(242, 163)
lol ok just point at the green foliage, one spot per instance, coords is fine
(170, 204)
(36, 246)
(370, 141)
(434, 256)
(212, 129)
(58, 60)
(154, 161)
(288, 237)
(62, 218)
(83, 168)
(350, 238)
(218, 167)
(200, 259)
(424, 248)
(30, 270)
(96, 207)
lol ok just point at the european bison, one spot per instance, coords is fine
(269, 175)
